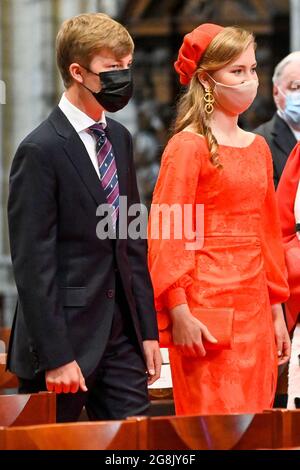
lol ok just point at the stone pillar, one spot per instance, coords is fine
(6, 116)
(294, 25)
(27, 70)
(2, 104)
(32, 55)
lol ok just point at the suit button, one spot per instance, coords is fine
(110, 293)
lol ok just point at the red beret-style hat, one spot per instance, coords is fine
(193, 46)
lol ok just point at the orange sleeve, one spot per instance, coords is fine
(286, 194)
(176, 294)
(272, 243)
(170, 263)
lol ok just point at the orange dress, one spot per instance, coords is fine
(240, 265)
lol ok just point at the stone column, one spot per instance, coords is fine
(294, 25)
(28, 66)
(27, 69)
(2, 104)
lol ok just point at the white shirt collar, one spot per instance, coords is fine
(79, 120)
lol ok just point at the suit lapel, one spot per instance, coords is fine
(283, 136)
(78, 155)
(285, 140)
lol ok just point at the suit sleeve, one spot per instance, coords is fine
(32, 218)
(137, 253)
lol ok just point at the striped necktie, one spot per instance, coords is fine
(107, 169)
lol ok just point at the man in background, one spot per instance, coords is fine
(282, 132)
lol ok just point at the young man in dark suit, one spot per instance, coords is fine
(85, 325)
(282, 132)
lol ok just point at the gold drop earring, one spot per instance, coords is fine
(209, 101)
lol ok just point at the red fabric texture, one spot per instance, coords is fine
(239, 265)
(286, 194)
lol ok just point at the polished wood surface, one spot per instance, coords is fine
(117, 435)
(197, 432)
(274, 429)
(22, 410)
(7, 379)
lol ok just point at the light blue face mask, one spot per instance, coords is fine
(292, 109)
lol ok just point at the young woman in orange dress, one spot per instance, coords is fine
(237, 262)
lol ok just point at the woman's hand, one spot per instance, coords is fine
(282, 338)
(188, 332)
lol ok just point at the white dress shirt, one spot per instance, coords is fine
(81, 122)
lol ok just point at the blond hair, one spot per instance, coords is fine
(225, 47)
(82, 36)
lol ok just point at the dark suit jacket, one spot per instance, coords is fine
(281, 141)
(64, 274)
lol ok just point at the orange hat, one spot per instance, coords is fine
(193, 46)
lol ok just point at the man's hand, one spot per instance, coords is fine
(153, 360)
(65, 379)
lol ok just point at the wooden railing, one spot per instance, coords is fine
(274, 429)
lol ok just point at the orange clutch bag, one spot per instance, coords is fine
(219, 322)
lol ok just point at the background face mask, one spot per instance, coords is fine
(291, 111)
(235, 98)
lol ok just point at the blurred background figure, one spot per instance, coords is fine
(282, 131)
(147, 146)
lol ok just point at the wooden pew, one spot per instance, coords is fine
(98, 435)
(286, 427)
(272, 429)
(196, 432)
(7, 379)
(22, 410)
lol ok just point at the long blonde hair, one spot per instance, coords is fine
(224, 48)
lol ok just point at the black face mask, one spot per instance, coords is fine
(116, 89)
